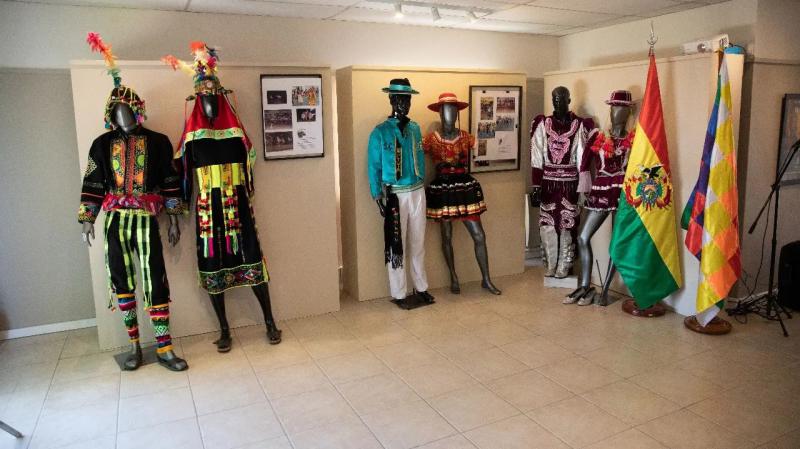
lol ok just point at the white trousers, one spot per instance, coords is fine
(412, 230)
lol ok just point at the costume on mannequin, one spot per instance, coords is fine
(557, 145)
(215, 149)
(396, 170)
(130, 176)
(454, 195)
(609, 155)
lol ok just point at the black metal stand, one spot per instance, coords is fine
(10, 430)
(767, 305)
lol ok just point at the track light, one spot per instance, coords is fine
(435, 14)
(398, 11)
(472, 17)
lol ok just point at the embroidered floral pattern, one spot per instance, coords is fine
(243, 275)
(559, 144)
(87, 212)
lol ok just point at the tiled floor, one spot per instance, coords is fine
(473, 371)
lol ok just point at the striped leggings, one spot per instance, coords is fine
(133, 234)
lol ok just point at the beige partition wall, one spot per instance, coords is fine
(361, 107)
(688, 86)
(295, 202)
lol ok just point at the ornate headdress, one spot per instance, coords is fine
(120, 93)
(203, 70)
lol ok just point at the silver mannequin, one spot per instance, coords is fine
(585, 294)
(124, 120)
(448, 114)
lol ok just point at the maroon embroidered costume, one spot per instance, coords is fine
(609, 155)
(556, 151)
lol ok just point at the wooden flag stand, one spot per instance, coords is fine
(656, 310)
(716, 326)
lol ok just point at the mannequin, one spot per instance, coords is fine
(129, 175)
(610, 157)
(215, 149)
(557, 145)
(396, 169)
(454, 195)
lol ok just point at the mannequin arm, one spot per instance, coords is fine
(88, 232)
(174, 230)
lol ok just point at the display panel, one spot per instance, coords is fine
(292, 116)
(494, 120)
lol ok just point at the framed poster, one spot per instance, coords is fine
(494, 120)
(291, 107)
(790, 133)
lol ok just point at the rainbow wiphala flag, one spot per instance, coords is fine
(711, 216)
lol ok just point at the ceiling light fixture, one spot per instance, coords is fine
(472, 17)
(398, 11)
(435, 13)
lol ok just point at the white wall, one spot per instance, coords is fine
(628, 41)
(778, 30)
(37, 35)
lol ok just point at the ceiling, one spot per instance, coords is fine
(549, 17)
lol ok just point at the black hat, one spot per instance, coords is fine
(400, 86)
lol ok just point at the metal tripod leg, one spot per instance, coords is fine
(10, 430)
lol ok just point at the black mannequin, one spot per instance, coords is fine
(124, 121)
(210, 105)
(448, 114)
(401, 104)
(561, 101)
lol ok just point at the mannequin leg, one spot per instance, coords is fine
(218, 303)
(127, 305)
(120, 271)
(612, 270)
(262, 294)
(549, 239)
(447, 250)
(475, 229)
(585, 293)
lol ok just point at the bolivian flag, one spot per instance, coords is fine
(711, 216)
(644, 242)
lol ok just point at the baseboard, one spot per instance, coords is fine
(47, 329)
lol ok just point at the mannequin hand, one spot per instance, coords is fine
(381, 207)
(88, 233)
(535, 196)
(174, 231)
(581, 199)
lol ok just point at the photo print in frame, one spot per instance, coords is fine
(494, 119)
(291, 116)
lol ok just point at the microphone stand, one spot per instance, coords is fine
(774, 309)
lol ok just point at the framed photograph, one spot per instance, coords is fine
(494, 119)
(292, 116)
(790, 133)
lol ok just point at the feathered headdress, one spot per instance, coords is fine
(203, 70)
(120, 93)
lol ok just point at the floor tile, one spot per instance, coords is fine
(26, 354)
(293, 379)
(377, 393)
(383, 334)
(35, 375)
(519, 432)
(453, 442)
(105, 442)
(349, 433)
(577, 422)
(272, 443)
(578, 374)
(686, 430)
(354, 366)
(454, 344)
(489, 364)
(313, 409)
(81, 342)
(329, 345)
(503, 331)
(630, 402)
(433, 380)
(183, 434)
(150, 379)
(226, 393)
(536, 351)
(238, 427)
(409, 425)
(77, 425)
(629, 439)
(622, 360)
(66, 396)
(528, 390)
(150, 409)
(472, 407)
(288, 352)
(677, 385)
(84, 367)
(407, 354)
(789, 441)
(753, 419)
(215, 366)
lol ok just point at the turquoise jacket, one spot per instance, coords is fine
(382, 159)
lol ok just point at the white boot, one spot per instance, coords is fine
(549, 249)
